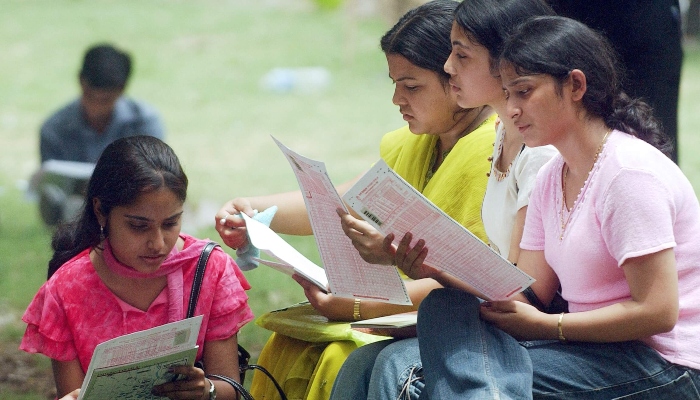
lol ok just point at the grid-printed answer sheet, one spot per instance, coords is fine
(392, 205)
(348, 274)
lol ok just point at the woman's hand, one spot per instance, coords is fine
(230, 225)
(368, 241)
(326, 304)
(520, 320)
(72, 395)
(410, 259)
(194, 386)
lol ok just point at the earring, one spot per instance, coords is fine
(102, 233)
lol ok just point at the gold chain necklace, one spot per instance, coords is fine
(499, 154)
(564, 209)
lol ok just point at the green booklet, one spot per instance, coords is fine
(127, 367)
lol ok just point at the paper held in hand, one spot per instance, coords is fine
(392, 205)
(348, 275)
(290, 260)
(127, 367)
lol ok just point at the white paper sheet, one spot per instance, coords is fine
(392, 205)
(292, 261)
(348, 274)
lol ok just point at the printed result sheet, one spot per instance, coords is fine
(392, 205)
(127, 367)
(348, 274)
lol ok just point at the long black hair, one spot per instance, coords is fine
(422, 36)
(490, 22)
(127, 168)
(557, 45)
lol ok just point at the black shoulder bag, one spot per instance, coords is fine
(243, 355)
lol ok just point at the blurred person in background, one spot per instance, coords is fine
(73, 137)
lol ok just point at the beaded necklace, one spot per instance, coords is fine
(570, 211)
(502, 175)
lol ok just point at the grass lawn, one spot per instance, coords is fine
(200, 63)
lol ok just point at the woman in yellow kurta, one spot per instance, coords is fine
(443, 152)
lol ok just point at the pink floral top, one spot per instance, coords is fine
(74, 311)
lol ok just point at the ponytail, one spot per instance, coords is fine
(636, 117)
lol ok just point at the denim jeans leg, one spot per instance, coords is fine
(626, 370)
(465, 357)
(353, 379)
(397, 372)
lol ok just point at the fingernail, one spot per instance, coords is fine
(487, 304)
(222, 221)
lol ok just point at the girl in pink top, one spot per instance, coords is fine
(124, 266)
(611, 219)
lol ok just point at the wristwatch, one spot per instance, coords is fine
(212, 389)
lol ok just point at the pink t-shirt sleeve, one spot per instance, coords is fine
(637, 216)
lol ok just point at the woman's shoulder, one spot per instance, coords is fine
(532, 159)
(392, 142)
(624, 152)
(194, 247)
(77, 268)
(220, 265)
(480, 142)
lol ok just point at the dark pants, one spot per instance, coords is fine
(647, 36)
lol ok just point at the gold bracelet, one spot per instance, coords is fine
(356, 310)
(559, 324)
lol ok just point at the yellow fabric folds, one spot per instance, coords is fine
(303, 322)
(305, 353)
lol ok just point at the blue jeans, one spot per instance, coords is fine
(465, 357)
(385, 370)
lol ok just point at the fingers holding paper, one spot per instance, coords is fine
(230, 225)
(409, 259)
(325, 303)
(368, 241)
(192, 386)
(72, 395)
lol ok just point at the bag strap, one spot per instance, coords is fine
(243, 355)
(198, 277)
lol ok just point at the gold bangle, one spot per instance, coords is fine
(559, 324)
(356, 310)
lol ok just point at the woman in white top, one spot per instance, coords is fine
(386, 369)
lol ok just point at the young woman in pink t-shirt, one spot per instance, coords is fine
(611, 219)
(124, 266)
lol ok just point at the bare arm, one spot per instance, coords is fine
(652, 309)
(291, 216)
(68, 376)
(342, 309)
(516, 235)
